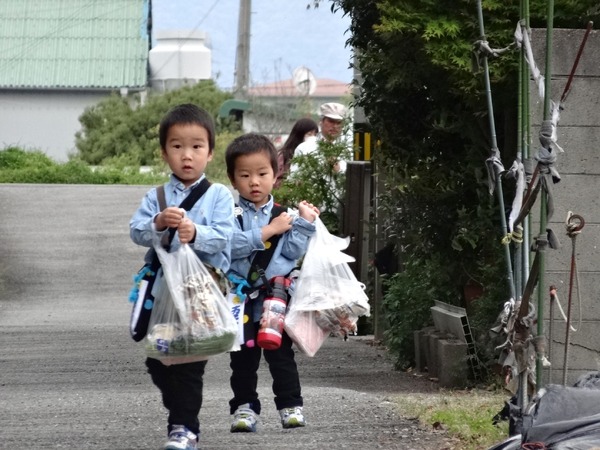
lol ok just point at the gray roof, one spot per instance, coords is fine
(74, 44)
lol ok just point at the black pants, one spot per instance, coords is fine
(244, 377)
(181, 389)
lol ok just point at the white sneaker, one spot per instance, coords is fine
(244, 419)
(292, 417)
(180, 438)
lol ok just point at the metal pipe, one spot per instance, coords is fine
(500, 195)
(569, 304)
(543, 207)
(551, 326)
(574, 225)
(526, 136)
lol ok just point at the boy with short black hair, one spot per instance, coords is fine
(252, 166)
(187, 140)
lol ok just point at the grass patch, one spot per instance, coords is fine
(465, 415)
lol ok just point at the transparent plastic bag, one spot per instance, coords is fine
(327, 289)
(302, 328)
(191, 319)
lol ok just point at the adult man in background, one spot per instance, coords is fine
(319, 165)
(331, 123)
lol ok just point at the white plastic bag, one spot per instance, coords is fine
(191, 319)
(302, 328)
(326, 293)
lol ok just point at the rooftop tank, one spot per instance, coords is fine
(179, 58)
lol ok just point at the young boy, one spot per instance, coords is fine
(251, 166)
(187, 140)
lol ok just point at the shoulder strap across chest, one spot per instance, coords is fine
(261, 260)
(196, 193)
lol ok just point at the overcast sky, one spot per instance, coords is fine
(284, 35)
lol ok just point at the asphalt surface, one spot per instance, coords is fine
(71, 377)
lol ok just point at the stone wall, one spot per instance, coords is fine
(579, 192)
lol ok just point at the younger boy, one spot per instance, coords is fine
(187, 141)
(251, 166)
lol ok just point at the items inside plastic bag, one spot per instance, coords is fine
(191, 318)
(327, 289)
(302, 328)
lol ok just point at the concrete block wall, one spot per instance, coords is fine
(443, 357)
(579, 191)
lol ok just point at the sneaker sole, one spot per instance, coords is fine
(242, 429)
(293, 424)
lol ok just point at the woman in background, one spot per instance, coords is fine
(302, 130)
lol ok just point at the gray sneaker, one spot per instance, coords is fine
(180, 438)
(244, 420)
(292, 417)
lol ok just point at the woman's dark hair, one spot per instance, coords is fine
(187, 114)
(296, 137)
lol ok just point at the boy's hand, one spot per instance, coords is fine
(308, 211)
(186, 231)
(278, 225)
(173, 217)
(281, 223)
(169, 217)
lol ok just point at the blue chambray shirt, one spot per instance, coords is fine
(212, 214)
(247, 242)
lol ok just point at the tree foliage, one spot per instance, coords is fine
(428, 108)
(316, 180)
(122, 131)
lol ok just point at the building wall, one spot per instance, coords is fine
(578, 134)
(43, 120)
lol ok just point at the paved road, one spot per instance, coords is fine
(70, 376)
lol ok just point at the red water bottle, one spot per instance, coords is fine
(273, 315)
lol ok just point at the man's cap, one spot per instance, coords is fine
(335, 111)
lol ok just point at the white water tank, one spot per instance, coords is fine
(179, 58)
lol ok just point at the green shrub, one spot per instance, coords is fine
(315, 181)
(33, 166)
(407, 302)
(124, 131)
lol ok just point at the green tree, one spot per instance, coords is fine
(124, 132)
(316, 180)
(428, 108)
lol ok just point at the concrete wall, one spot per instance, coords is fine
(43, 120)
(578, 191)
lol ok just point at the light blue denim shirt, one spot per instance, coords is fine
(212, 215)
(247, 242)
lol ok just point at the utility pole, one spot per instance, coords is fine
(242, 56)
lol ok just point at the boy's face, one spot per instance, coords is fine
(253, 177)
(187, 151)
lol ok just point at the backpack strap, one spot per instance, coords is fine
(160, 194)
(188, 202)
(196, 193)
(162, 204)
(261, 260)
